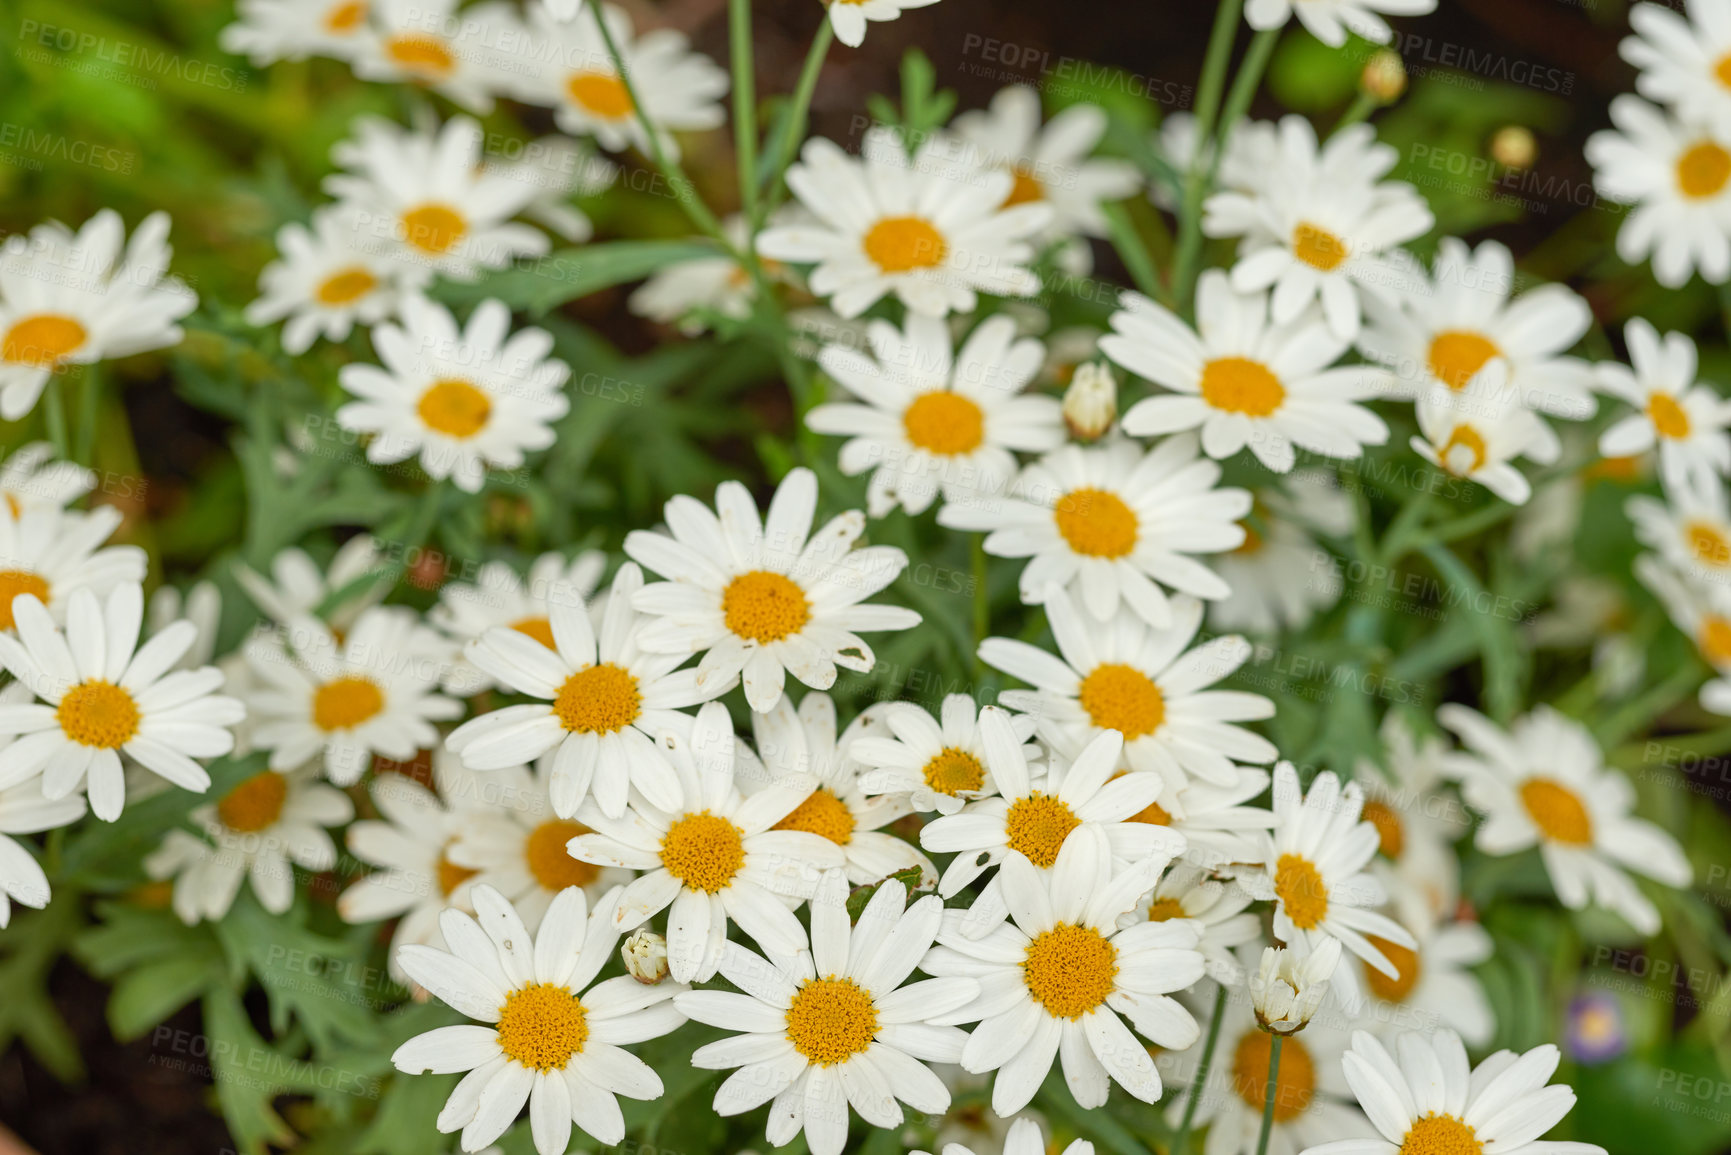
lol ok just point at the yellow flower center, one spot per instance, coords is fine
(1240, 385)
(1708, 543)
(542, 1026)
(1669, 418)
(1390, 832)
(345, 286)
(451, 876)
(454, 408)
(1165, 909)
(1037, 825)
(98, 714)
(954, 772)
(1463, 436)
(1435, 1134)
(1558, 811)
(1457, 355)
(831, 1020)
(1096, 522)
(1070, 970)
(944, 423)
(1026, 190)
(344, 703)
(1294, 1083)
(538, 628)
(1299, 886)
(434, 228)
(1123, 698)
(599, 700)
(761, 606)
(600, 93)
(425, 56)
(1153, 814)
(1405, 962)
(14, 582)
(1703, 170)
(42, 341)
(342, 19)
(822, 813)
(899, 244)
(1722, 70)
(255, 804)
(703, 851)
(1715, 640)
(1317, 247)
(549, 861)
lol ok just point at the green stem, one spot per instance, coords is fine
(1182, 1142)
(1243, 90)
(1207, 108)
(1268, 1097)
(744, 103)
(982, 600)
(1134, 253)
(89, 402)
(793, 127)
(1362, 106)
(54, 409)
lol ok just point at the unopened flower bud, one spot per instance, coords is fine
(1514, 147)
(645, 955)
(1384, 76)
(1091, 402)
(1286, 990)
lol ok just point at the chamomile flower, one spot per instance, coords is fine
(76, 298)
(602, 704)
(258, 832)
(1217, 906)
(464, 400)
(936, 764)
(1702, 611)
(549, 1038)
(1478, 432)
(1434, 987)
(298, 586)
(1241, 380)
(23, 810)
(1543, 783)
(324, 281)
(715, 857)
(428, 43)
(1058, 974)
(1684, 419)
(836, 1025)
(1113, 526)
(1281, 576)
(1330, 20)
(1691, 528)
(103, 695)
(266, 31)
(1430, 1100)
(372, 692)
(1681, 58)
(929, 421)
(1125, 677)
(1678, 177)
(849, 17)
(930, 231)
(762, 597)
(499, 596)
(50, 553)
(31, 477)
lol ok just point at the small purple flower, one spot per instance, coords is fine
(1596, 1031)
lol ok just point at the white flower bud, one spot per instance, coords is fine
(1091, 402)
(645, 955)
(1514, 147)
(1286, 990)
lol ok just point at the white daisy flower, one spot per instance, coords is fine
(1217, 906)
(103, 695)
(1684, 419)
(424, 199)
(1280, 576)
(550, 1038)
(934, 764)
(849, 17)
(1330, 21)
(1478, 432)
(1681, 58)
(1703, 613)
(1543, 783)
(603, 702)
(23, 810)
(1434, 988)
(464, 56)
(1323, 226)
(929, 422)
(1126, 677)
(200, 604)
(263, 828)
(1416, 823)
(76, 298)
(344, 701)
(836, 1025)
(1678, 177)
(50, 553)
(1241, 380)
(464, 400)
(1023, 1137)
(299, 587)
(925, 227)
(765, 597)
(1057, 975)
(1112, 525)
(499, 596)
(1431, 1101)
(267, 31)
(715, 857)
(1691, 528)
(31, 477)
(325, 280)
(1287, 988)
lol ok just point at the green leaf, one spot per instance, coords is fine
(575, 272)
(860, 895)
(145, 997)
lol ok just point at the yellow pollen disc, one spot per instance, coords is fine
(1703, 170)
(14, 582)
(831, 1020)
(1467, 436)
(98, 714)
(1123, 698)
(600, 93)
(344, 18)
(1715, 640)
(1405, 961)
(1558, 811)
(899, 244)
(1669, 418)
(344, 703)
(454, 408)
(1708, 543)
(1037, 825)
(1294, 1083)
(761, 606)
(426, 56)
(1317, 247)
(538, 628)
(1070, 970)
(954, 772)
(1026, 190)
(1165, 909)
(434, 228)
(42, 341)
(1096, 523)
(1435, 1134)
(1722, 70)
(1299, 886)
(822, 813)
(944, 423)
(1153, 814)
(255, 804)
(703, 851)
(599, 700)
(1390, 832)
(1456, 356)
(451, 876)
(346, 286)
(1240, 385)
(549, 861)
(542, 1026)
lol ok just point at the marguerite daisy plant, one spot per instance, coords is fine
(938, 764)
(1685, 420)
